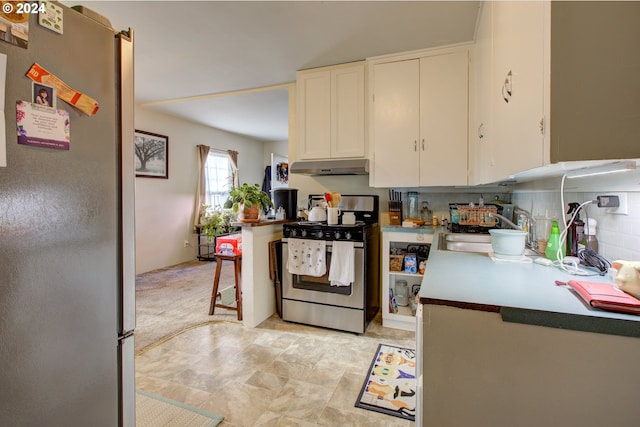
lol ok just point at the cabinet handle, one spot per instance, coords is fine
(422, 144)
(506, 88)
(480, 131)
(415, 145)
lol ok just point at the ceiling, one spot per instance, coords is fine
(227, 64)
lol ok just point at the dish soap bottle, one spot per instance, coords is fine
(554, 243)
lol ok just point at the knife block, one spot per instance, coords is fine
(395, 212)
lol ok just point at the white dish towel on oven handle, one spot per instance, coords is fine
(307, 257)
(342, 268)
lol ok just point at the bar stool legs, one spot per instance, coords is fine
(237, 263)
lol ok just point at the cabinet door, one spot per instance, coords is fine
(347, 112)
(396, 117)
(518, 89)
(481, 134)
(314, 114)
(444, 119)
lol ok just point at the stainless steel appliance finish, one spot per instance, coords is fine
(312, 300)
(67, 300)
(331, 167)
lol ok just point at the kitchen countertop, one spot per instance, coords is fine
(262, 223)
(425, 229)
(521, 293)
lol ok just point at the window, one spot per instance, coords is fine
(218, 178)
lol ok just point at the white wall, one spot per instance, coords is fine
(164, 207)
(279, 147)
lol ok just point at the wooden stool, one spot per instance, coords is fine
(237, 263)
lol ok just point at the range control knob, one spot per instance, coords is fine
(337, 235)
(347, 235)
(320, 234)
(303, 233)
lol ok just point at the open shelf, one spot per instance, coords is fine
(392, 244)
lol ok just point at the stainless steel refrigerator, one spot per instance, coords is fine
(67, 274)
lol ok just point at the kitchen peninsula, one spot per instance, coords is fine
(501, 345)
(258, 292)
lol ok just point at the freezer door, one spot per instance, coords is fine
(126, 362)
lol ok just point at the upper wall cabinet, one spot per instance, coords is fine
(595, 80)
(331, 112)
(419, 120)
(509, 90)
(549, 88)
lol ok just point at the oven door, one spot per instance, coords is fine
(318, 289)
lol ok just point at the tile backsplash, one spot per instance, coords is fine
(618, 235)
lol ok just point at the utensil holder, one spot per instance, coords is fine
(395, 212)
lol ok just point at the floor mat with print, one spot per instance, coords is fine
(390, 386)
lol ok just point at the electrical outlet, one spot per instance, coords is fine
(186, 244)
(623, 207)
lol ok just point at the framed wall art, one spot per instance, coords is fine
(152, 155)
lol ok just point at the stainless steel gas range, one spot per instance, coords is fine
(310, 296)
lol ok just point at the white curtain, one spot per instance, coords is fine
(203, 153)
(235, 179)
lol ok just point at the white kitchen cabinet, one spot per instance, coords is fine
(444, 119)
(509, 89)
(331, 112)
(396, 124)
(404, 318)
(420, 120)
(555, 90)
(480, 144)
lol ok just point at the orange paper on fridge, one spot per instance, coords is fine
(82, 102)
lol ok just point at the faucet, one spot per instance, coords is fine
(505, 220)
(532, 241)
(531, 226)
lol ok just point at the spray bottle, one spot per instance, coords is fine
(554, 243)
(576, 230)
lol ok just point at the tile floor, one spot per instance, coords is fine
(278, 374)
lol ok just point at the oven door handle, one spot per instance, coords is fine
(356, 245)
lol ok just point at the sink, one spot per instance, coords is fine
(470, 242)
(465, 242)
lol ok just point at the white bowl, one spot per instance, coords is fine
(508, 242)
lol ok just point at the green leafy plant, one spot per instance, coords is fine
(248, 196)
(217, 221)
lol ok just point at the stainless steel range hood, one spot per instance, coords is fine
(331, 167)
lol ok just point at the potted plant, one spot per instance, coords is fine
(248, 201)
(216, 222)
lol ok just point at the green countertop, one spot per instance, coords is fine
(522, 293)
(425, 229)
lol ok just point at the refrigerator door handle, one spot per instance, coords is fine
(124, 45)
